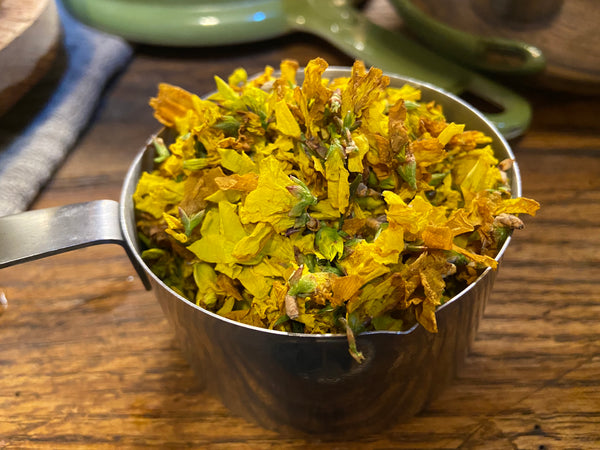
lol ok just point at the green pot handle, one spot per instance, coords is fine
(498, 55)
(353, 33)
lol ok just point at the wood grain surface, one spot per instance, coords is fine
(87, 359)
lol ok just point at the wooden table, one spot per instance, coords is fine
(87, 359)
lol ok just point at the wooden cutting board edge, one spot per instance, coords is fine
(29, 46)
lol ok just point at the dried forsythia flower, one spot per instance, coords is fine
(334, 206)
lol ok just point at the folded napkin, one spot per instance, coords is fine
(31, 152)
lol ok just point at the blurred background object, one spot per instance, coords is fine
(566, 32)
(197, 23)
(551, 44)
(30, 34)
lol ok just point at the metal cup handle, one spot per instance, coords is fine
(40, 233)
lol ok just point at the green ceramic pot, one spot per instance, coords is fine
(204, 23)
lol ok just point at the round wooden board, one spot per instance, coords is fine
(30, 35)
(568, 33)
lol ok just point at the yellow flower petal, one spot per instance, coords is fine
(285, 122)
(237, 162)
(451, 130)
(438, 237)
(338, 188)
(247, 182)
(249, 246)
(517, 206)
(270, 201)
(155, 194)
(221, 231)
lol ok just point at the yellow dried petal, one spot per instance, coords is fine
(377, 298)
(361, 262)
(155, 194)
(171, 103)
(258, 286)
(427, 151)
(288, 70)
(438, 237)
(225, 90)
(364, 88)
(338, 188)
(355, 159)
(451, 130)
(344, 288)
(206, 280)
(481, 259)
(520, 205)
(285, 122)
(247, 182)
(425, 313)
(175, 228)
(314, 95)
(406, 92)
(237, 78)
(480, 177)
(237, 162)
(249, 246)
(389, 244)
(270, 201)
(221, 231)
(459, 222)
